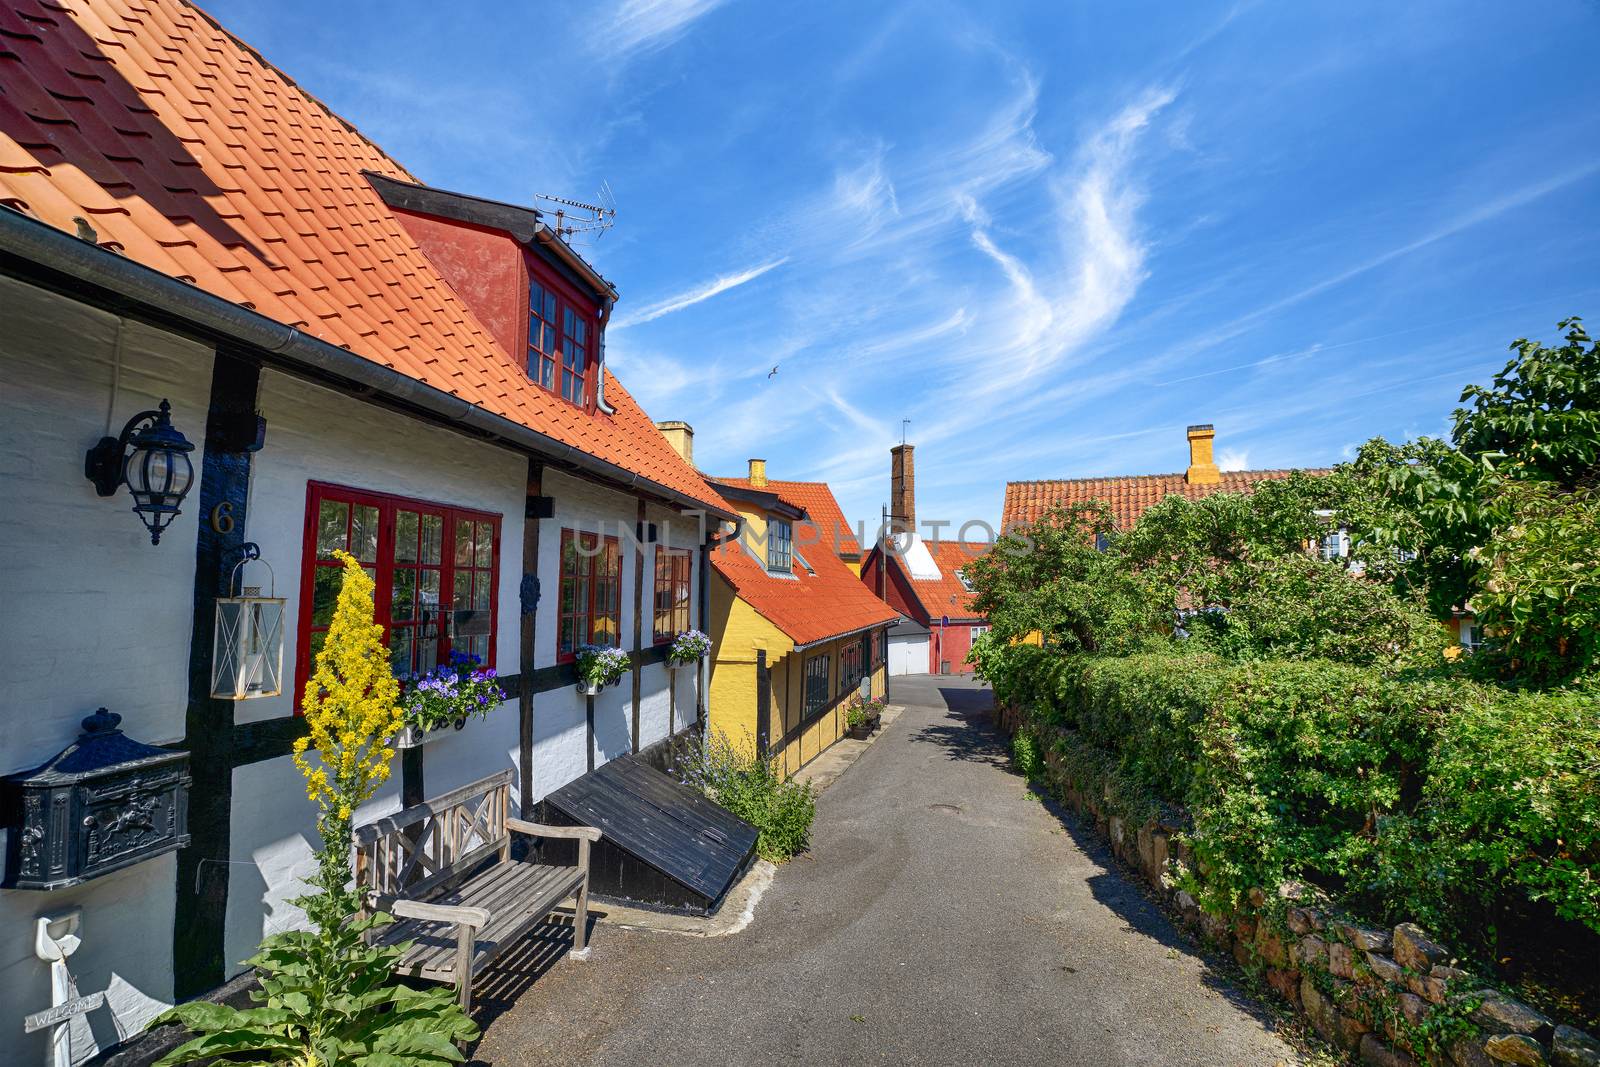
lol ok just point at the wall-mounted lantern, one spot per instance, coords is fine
(247, 647)
(157, 471)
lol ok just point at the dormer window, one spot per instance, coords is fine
(559, 334)
(574, 355)
(961, 576)
(780, 546)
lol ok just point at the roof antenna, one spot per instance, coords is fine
(574, 216)
(903, 424)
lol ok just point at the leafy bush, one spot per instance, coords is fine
(1025, 755)
(1409, 796)
(781, 811)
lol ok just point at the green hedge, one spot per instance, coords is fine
(1410, 797)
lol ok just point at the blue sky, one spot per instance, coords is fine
(1050, 235)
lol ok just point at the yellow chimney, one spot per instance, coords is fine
(680, 435)
(1202, 468)
(758, 473)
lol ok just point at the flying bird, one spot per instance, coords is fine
(773, 373)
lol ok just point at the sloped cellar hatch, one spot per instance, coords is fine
(664, 846)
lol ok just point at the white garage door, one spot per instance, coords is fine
(908, 655)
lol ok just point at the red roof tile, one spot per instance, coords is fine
(947, 594)
(826, 601)
(1128, 497)
(188, 153)
(817, 501)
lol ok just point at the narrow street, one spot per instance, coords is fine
(944, 915)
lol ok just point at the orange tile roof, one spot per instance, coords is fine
(817, 501)
(826, 601)
(946, 595)
(185, 151)
(1128, 496)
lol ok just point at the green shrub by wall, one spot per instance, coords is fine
(1406, 796)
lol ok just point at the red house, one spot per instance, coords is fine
(923, 580)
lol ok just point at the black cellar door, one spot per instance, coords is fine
(664, 844)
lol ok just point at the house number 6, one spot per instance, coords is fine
(222, 517)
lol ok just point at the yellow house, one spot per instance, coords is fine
(797, 638)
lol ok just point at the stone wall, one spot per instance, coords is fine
(1391, 997)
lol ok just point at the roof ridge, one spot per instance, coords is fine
(1168, 474)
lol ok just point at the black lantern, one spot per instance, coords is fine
(157, 471)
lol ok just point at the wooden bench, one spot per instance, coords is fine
(444, 870)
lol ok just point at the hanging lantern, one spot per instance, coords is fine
(247, 651)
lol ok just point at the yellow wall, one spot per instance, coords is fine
(737, 634)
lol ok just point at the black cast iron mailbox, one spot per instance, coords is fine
(104, 803)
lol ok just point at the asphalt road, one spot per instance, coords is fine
(944, 915)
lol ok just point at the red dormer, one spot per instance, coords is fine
(537, 296)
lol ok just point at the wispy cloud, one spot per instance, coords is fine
(639, 26)
(1234, 459)
(704, 291)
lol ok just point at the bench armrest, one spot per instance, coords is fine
(535, 829)
(461, 915)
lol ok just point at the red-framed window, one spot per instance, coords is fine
(672, 593)
(542, 342)
(563, 329)
(850, 672)
(591, 593)
(435, 569)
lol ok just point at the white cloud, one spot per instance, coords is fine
(638, 26)
(701, 292)
(1234, 459)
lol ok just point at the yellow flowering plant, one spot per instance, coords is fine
(328, 997)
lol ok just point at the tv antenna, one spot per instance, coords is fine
(574, 216)
(903, 424)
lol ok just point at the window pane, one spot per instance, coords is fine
(463, 543)
(565, 643)
(432, 538)
(427, 651)
(364, 533)
(461, 594)
(325, 591)
(333, 523)
(401, 650)
(480, 591)
(405, 537)
(405, 592)
(485, 555)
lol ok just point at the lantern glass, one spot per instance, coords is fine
(247, 652)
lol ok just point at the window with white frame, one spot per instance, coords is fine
(780, 546)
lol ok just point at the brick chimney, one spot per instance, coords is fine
(1202, 468)
(680, 435)
(902, 489)
(758, 473)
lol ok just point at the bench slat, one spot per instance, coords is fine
(517, 896)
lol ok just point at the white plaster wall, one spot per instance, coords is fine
(482, 747)
(95, 615)
(559, 718)
(274, 838)
(315, 434)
